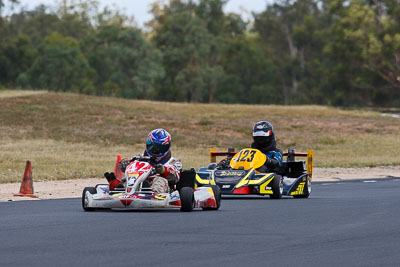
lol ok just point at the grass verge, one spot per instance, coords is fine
(75, 136)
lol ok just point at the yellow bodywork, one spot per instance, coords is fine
(212, 158)
(310, 160)
(248, 158)
(267, 178)
(263, 187)
(205, 181)
(252, 159)
(299, 189)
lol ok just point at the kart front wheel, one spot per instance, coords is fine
(277, 187)
(92, 191)
(187, 198)
(217, 194)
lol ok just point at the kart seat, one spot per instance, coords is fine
(187, 179)
(292, 167)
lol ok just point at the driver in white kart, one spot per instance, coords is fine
(264, 140)
(167, 168)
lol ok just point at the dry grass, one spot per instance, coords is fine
(70, 136)
(16, 93)
(58, 160)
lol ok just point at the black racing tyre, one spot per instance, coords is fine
(92, 191)
(306, 190)
(277, 187)
(187, 198)
(217, 194)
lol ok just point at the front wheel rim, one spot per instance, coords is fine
(86, 201)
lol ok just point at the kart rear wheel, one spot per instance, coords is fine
(277, 187)
(217, 194)
(187, 198)
(307, 190)
(92, 191)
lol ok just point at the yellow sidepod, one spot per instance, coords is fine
(245, 180)
(205, 181)
(264, 188)
(299, 190)
(263, 185)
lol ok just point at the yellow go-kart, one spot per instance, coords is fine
(240, 174)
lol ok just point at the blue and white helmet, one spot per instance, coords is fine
(158, 143)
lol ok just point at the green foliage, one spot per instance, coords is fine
(126, 64)
(249, 74)
(291, 32)
(16, 56)
(184, 41)
(60, 66)
(365, 43)
(334, 52)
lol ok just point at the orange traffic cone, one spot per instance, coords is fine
(117, 170)
(26, 189)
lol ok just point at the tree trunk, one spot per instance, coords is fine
(294, 84)
(302, 60)
(293, 55)
(286, 95)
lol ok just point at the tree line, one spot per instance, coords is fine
(328, 52)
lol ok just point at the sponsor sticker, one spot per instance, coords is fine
(260, 133)
(160, 196)
(174, 197)
(229, 173)
(299, 190)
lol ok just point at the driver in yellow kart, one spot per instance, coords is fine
(264, 140)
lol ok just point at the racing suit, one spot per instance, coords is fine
(161, 183)
(274, 157)
(169, 174)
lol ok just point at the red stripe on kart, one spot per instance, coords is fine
(243, 191)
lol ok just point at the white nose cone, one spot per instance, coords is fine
(131, 182)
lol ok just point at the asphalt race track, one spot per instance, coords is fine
(346, 224)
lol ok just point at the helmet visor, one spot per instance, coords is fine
(156, 149)
(263, 140)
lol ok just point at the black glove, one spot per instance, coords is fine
(110, 176)
(272, 164)
(123, 164)
(223, 164)
(159, 168)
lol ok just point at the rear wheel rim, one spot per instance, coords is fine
(86, 201)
